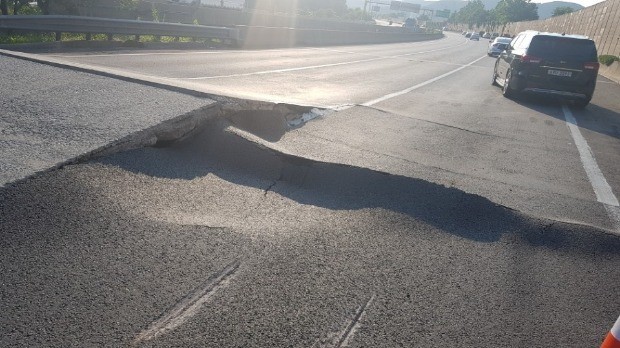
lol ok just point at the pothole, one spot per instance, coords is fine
(268, 121)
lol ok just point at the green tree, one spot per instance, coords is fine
(472, 14)
(14, 6)
(562, 10)
(508, 11)
(44, 5)
(18, 4)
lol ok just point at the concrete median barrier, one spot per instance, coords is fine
(264, 37)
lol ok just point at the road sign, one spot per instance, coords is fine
(404, 6)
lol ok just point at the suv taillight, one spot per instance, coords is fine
(591, 66)
(531, 59)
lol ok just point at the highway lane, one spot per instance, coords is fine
(309, 76)
(131, 249)
(51, 115)
(384, 226)
(343, 76)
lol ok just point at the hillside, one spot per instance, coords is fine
(544, 10)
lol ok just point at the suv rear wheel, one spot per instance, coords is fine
(494, 79)
(582, 103)
(507, 91)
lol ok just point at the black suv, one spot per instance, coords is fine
(548, 63)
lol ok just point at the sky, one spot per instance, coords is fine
(358, 3)
(584, 3)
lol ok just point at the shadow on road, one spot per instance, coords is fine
(593, 117)
(341, 187)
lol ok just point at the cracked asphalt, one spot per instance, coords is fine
(446, 216)
(50, 115)
(94, 253)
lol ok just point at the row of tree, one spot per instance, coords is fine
(15, 6)
(506, 11)
(474, 13)
(321, 8)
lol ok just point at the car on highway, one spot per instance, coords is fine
(475, 36)
(497, 46)
(550, 64)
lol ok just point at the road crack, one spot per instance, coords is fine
(273, 184)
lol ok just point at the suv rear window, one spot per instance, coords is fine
(551, 47)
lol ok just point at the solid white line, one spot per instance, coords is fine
(134, 54)
(275, 71)
(615, 330)
(176, 53)
(412, 88)
(603, 191)
(614, 215)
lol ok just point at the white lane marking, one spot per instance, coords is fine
(603, 191)
(189, 306)
(614, 215)
(134, 54)
(275, 71)
(412, 88)
(176, 53)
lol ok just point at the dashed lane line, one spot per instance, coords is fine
(419, 85)
(319, 66)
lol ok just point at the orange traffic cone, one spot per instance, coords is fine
(613, 337)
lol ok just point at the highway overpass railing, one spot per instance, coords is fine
(241, 36)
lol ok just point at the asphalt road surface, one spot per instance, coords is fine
(427, 211)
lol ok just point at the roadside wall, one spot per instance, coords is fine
(611, 72)
(600, 22)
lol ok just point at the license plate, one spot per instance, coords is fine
(560, 73)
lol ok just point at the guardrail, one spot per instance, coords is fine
(240, 36)
(94, 25)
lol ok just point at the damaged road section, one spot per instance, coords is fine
(52, 117)
(132, 248)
